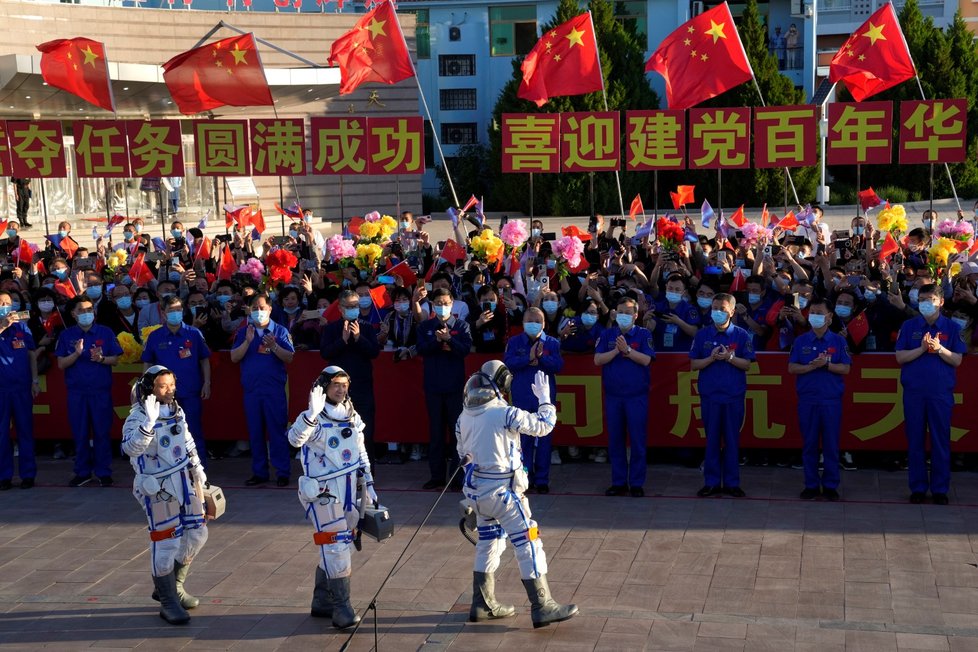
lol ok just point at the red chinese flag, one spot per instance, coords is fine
(868, 199)
(765, 216)
(203, 250)
(224, 73)
(789, 222)
(858, 328)
(139, 272)
(227, 267)
(701, 59)
(874, 58)
(563, 62)
(636, 207)
(25, 253)
(333, 312)
(353, 226)
(258, 221)
(380, 297)
(584, 236)
(738, 219)
(452, 252)
(974, 248)
(69, 246)
(373, 51)
(404, 272)
(78, 66)
(739, 283)
(889, 247)
(65, 288)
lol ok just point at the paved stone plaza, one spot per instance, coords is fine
(666, 572)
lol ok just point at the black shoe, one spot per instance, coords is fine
(282, 481)
(917, 497)
(105, 480)
(5, 485)
(939, 499)
(433, 484)
(831, 495)
(616, 490)
(79, 480)
(735, 492)
(255, 480)
(707, 490)
(637, 492)
(543, 488)
(808, 494)
(27, 483)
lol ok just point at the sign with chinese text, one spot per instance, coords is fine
(278, 147)
(590, 141)
(4, 151)
(221, 148)
(933, 131)
(860, 133)
(396, 145)
(785, 136)
(719, 138)
(101, 148)
(155, 148)
(656, 140)
(531, 142)
(339, 145)
(37, 149)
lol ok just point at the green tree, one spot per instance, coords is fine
(622, 63)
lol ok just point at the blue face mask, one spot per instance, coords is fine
(176, 233)
(405, 226)
(127, 235)
(63, 234)
(913, 294)
(674, 297)
(45, 305)
(15, 304)
(550, 307)
(293, 233)
(402, 307)
(754, 298)
(174, 317)
(11, 233)
(960, 321)
(492, 306)
(292, 310)
(532, 328)
(86, 319)
(174, 276)
(365, 302)
(223, 299)
(802, 302)
(5, 310)
(704, 302)
(858, 230)
(719, 317)
(142, 303)
(93, 291)
(624, 321)
(351, 314)
(260, 317)
(443, 312)
(61, 273)
(127, 280)
(927, 308)
(843, 311)
(817, 321)
(870, 295)
(551, 264)
(535, 233)
(589, 320)
(124, 303)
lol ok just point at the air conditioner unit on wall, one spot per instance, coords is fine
(456, 136)
(454, 68)
(454, 34)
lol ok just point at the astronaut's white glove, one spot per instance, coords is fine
(200, 476)
(372, 495)
(541, 387)
(152, 409)
(317, 401)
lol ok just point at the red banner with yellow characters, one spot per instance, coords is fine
(396, 145)
(37, 149)
(590, 141)
(4, 151)
(278, 147)
(656, 140)
(785, 136)
(221, 148)
(339, 145)
(872, 416)
(933, 131)
(155, 148)
(531, 143)
(860, 133)
(101, 148)
(719, 138)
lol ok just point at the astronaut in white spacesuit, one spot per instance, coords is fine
(168, 485)
(488, 433)
(335, 464)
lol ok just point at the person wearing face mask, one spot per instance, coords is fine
(526, 354)
(820, 359)
(288, 306)
(399, 331)
(87, 352)
(674, 321)
(183, 350)
(587, 329)
(752, 317)
(19, 386)
(46, 324)
(916, 254)
(443, 343)
(264, 348)
(790, 315)
(490, 323)
(624, 353)
(704, 300)
(370, 314)
(120, 315)
(351, 343)
(929, 349)
(722, 353)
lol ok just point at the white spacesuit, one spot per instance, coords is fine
(488, 433)
(168, 484)
(335, 463)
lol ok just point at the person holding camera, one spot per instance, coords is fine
(490, 327)
(169, 485)
(19, 386)
(674, 321)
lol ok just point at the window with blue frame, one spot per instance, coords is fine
(512, 30)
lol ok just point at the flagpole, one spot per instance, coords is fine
(655, 194)
(786, 170)
(604, 95)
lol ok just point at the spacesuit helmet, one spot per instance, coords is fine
(327, 375)
(143, 387)
(492, 381)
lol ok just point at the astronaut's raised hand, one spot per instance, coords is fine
(152, 408)
(541, 387)
(317, 401)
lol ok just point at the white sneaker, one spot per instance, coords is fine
(554, 457)
(416, 453)
(601, 457)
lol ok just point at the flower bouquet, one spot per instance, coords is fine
(487, 247)
(376, 228)
(569, 250)
(132, 350)
(280, 264)
(892, 219)
(341, 251)
(669, 234)
(367, 256)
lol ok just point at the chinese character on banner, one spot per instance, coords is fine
(278, 147)
(933, 131)
(100, 148)
(590, 142)
(222, 148)
(4, 151)
(860, 133)
(719, 138)
(785, 136)
(396, 145)
(36, 149)
(155, 148)
(656, 140)
(531, 142)
(339, 145)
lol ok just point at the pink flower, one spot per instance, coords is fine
(514, 233)
(961, 231)
(751, 233)
(372, 216)
(570, 248)
(252, 267)
(338, 248)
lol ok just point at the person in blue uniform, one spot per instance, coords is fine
(526, 354)
(87, 352)
(624, 353)
(19, 385)
(182, 349)
(264, 348)
(929, 349)
(676, 320)
(820, 358)
(586, 330)
(722, 353)
(753, 316)
(443, 343)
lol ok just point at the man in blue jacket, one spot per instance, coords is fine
(19, 385)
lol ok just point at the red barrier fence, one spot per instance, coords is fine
(872, 414)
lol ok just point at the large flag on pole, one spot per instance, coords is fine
(563, 62)
(875, 57)
(701, 59)
(78, 66)
(223, 73)
(373, 51)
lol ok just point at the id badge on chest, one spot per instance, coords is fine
(870, 342)
(669, 337)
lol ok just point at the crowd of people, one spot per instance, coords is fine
(531, 298)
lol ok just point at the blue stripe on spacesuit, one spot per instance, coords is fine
(490, 532)
(525, 541)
